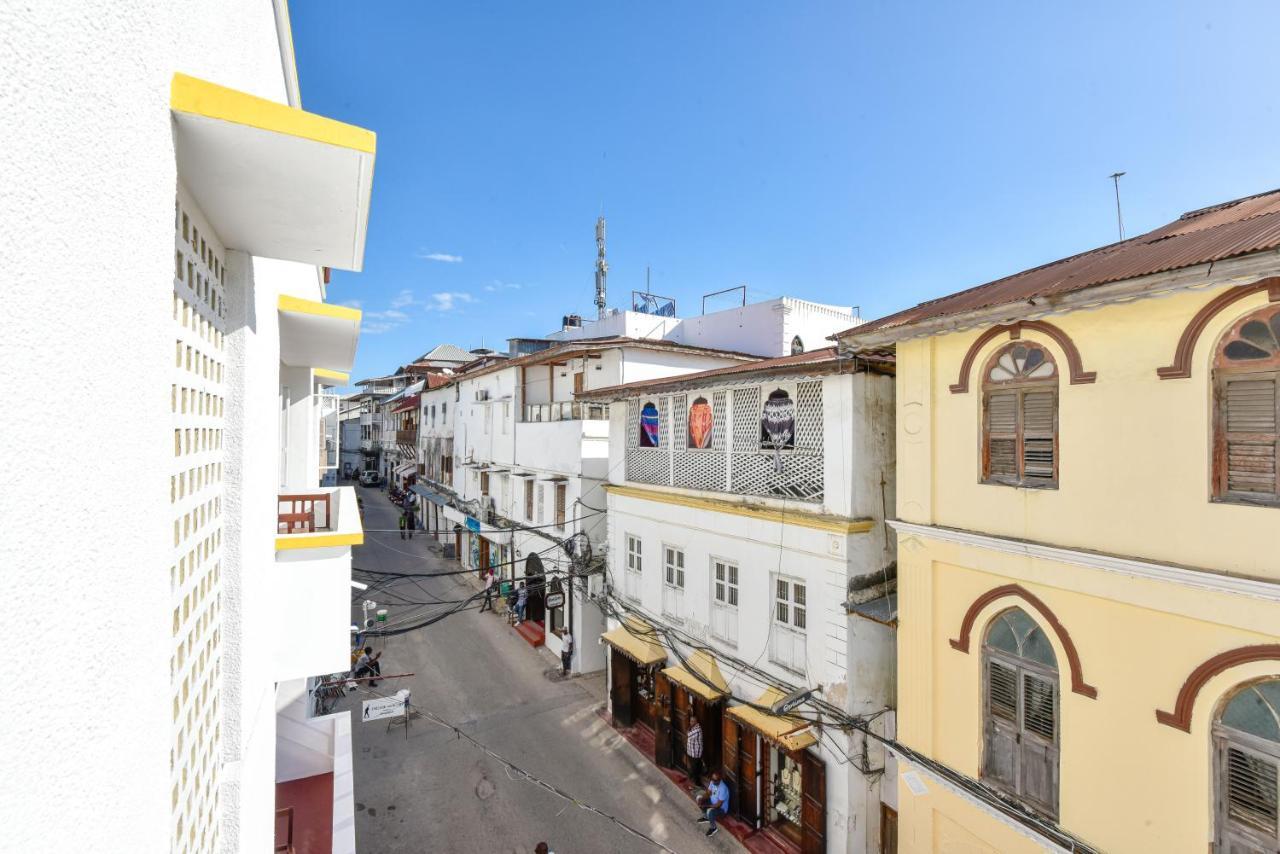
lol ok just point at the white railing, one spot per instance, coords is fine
(566, 410)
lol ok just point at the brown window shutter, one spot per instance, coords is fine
(813, 809)
(1001, 449)
(1247, 449)
(1039, 451)
(729, 762)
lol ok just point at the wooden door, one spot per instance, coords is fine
(888, 830)
(484, 556)
(813, 808)
(729, 765)
(751, 771)
(577, 382)
(620, 688)
(681, 715)
(457, 545)
(663, 749)
(711, 716)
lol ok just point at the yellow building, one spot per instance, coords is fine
(1089, 548)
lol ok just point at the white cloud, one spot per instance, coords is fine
(499, 285)
(444, 257)
(402, 299)
(447, 300)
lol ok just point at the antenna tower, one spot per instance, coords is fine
(602, 269)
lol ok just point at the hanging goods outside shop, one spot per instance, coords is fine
(701, 424)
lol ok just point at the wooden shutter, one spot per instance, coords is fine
(1000, 751)
(577, 382)
(662, 729)
(620, 688)
(1249, 415)
(888, 829)
(729, 760)
(1039, 441)
(1002, 435)
(1038, 760)
(1250, 792)
(748, 775)
(813, 804)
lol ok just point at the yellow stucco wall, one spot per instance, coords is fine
(1134, 482)
(1133, 447)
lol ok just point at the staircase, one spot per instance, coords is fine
(533, 633)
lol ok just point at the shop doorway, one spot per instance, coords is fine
(632, 692)
(779, 790)
(535, 580)
(676, 708)
(482, 556)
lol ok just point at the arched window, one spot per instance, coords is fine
(1246, 372)
(797, 346)
(1247, 776)
(1020, 711)
(1020, 417)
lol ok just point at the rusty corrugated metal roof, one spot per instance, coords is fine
(1227, 230)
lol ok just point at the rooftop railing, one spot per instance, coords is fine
(566, 410)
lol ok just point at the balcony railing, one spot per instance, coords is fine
(304, 514)
(326, 517)
(566, 410)
(407, 437)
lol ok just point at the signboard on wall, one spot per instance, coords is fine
(555, 600)
(473, 524)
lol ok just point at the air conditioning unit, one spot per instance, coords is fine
(482, 394)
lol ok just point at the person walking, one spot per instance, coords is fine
(693, 750)
(402, 517)
(717, 802)
(566, 652)
(522, 601)
(487, 605)
(368, 664)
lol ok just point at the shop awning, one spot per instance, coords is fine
(791, 734)
(273, 180)
(633, 640)
(429, 494)
(405, 468)
(701, 675)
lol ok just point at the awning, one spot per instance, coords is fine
(701, 675)
(523, 474)
(405, 468)
(273, 180)
(632, 640)
(318, 335)
(429, 494)
(326, 377)
(883, 609)
(791, 734)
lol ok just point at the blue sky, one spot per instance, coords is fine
(873, 154)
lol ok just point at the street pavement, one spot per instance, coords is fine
(433, 791)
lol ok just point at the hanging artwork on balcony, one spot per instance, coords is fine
(650, 423)
(701, 424)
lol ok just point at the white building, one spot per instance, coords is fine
(528, 465)
(435, 455)
(746, 510)
(168, 212)
(781, 326)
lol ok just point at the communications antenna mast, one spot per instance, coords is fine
(602, 269)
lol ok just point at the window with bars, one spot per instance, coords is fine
(787, 645)
(1246, 447)
(528, 499)
(560, 502)
(1020, 711)
(1020, 417)
(673, 582)
(484, 483)
(1247, 741)
(724, 600)
(634, 571)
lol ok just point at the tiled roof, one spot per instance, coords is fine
(817, 362)
(570, 349)
(446, 353)
(1226, 230)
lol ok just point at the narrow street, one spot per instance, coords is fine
(433, 791)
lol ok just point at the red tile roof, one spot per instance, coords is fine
(822, 361)
(1226, 230)
(570, 349)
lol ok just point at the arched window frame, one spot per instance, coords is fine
(1246, 411)
(1246, 779)
(1013, 746)
(1016, 411)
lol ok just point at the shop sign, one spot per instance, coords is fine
(384, 707)
(473, 524)
(555, 600)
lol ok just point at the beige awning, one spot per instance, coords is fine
(636, 640)
(701, 675)
(789, 733)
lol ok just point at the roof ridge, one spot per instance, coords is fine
(1224, 205)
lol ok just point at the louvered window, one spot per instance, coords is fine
(1247, 737)
(1247, 424)
(1020, 417)
(1020, 732)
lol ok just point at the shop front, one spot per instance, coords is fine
(777, 780)
(688, 692)
(635, 658)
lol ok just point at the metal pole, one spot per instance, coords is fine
(1115, 177)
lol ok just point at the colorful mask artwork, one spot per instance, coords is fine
(649, 426)
(778, 425)
(701, 424)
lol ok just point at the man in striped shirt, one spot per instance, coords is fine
(693, 750)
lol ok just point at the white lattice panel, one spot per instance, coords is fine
(719, 412)
(197, 402)
(680, 423)
(700, 470)
(648, 465)
(746, 419)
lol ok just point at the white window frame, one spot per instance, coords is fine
(726, 596)
(633, 570)
(788, 642)
(674, 578)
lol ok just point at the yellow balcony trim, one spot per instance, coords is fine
(318, 541)
(337, 377)
(319, 309)
(202, 98)
(822, 522)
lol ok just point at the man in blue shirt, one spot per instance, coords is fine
(717, 802)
